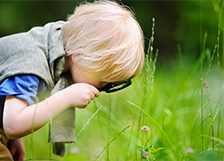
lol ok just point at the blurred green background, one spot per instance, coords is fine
(177, 21)
(174, 94)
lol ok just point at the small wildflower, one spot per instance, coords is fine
(205, 82)
(189, 150)
(144, 154)
(145, 128)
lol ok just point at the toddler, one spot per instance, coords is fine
(52, 69)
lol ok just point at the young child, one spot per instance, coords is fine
(99, 47)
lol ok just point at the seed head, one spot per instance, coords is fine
(210, 98)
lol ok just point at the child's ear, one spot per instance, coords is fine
(76, 57)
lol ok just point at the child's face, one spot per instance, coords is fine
(81, 77)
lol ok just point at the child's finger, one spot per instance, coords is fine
(95, 91)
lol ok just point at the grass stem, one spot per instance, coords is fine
(112, 141)
(70, 145)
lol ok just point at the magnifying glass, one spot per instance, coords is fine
(116, 86)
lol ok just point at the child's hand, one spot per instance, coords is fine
(17, 149)
(81, 94)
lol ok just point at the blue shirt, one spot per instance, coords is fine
(25, 87)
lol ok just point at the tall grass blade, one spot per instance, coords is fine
(220, 27)
(210, 63)
(218, 36)
(218, 140)
(84, 126)
(88, 122)
(100, 122)
(112, 141)
(202, 102)
(109, 121)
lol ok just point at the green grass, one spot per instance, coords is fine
(181, 110)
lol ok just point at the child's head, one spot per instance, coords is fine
(104, 37)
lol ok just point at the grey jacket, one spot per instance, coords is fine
(40, 52)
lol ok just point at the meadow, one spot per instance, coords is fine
(170, 112)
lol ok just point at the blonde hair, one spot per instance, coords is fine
(106, 39)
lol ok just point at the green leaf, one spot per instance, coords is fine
(154, 150)
(218, 140)
(146, 149)
(140, 148)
